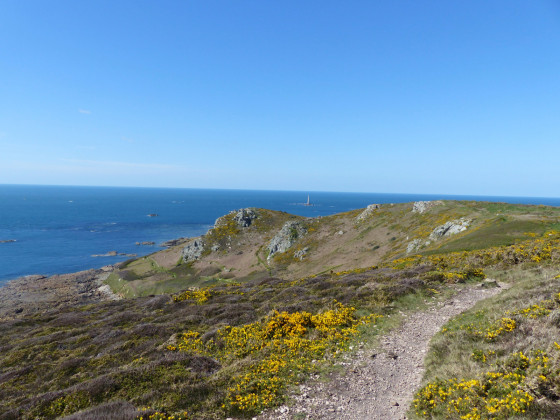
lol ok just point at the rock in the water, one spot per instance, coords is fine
(172, 242)
(367, 212)
(6, 241)
(193, 250)
(145, 243)
(450, 228)
(153, 215)
(286, 237)
(422, 206)
(244, 217)
(108, 254)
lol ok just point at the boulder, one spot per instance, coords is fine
(286, 237)
(450, 228)
(193, 250)
(367, 212)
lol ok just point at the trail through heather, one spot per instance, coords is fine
(379, 383)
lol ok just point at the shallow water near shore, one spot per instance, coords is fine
(57, 229)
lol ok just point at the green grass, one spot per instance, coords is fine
(498, 232)
(466, 350)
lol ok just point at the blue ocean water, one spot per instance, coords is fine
(57, 229)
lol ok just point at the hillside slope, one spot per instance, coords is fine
(237, 248)
(244, 327)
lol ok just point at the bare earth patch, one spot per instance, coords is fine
(380, 383)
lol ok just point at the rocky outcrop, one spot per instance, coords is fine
(245, 217)
(193, 250)
(447, 229)
(7, 241)
(450, 228)
(422, 206)
(367, 212)
(301, 253)
(148, 243)
(415, 245)
(286, 237)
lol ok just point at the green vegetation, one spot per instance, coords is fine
(216, 346)
(500, 360)
(60, 362)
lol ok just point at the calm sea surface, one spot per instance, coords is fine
(58, 229)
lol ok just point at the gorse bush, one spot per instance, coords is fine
(280, 348)
(511, 382)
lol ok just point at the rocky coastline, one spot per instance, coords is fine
(34, 294)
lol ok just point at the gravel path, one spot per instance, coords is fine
(380, 383)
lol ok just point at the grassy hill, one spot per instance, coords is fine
(232, 332)
(339, 242)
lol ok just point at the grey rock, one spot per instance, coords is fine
(414, 245)
(6, 241)
(245, 217)
(286, 237)
(193, 250)
(300, 254)
(422, 206)
(367, 212)
(450, 228)
(173, 242)
(107, 254)
(489, 284)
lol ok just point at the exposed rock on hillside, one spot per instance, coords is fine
(367, 212)
(193, 250)
(414, 245)
(450, 228)
(300, 255)
(422, 206)
(244, 217)
(288, 235)
(447, 229)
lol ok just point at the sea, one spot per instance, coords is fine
(58, 229)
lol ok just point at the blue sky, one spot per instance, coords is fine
(448, 97)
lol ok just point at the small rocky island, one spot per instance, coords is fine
(114, 254)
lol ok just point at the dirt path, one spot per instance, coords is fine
(380, 383)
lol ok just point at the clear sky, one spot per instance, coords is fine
(451, 97)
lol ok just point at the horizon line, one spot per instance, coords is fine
(283, 190)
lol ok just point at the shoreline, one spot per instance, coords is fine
(29, 295)
(35, 293)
